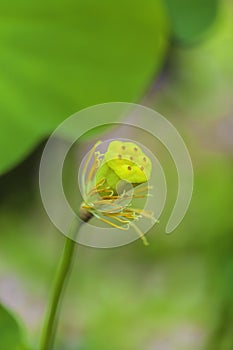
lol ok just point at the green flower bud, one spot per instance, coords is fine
(123, 161)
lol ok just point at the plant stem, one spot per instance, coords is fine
(61, 279)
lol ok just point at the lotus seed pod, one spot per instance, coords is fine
(124, 161)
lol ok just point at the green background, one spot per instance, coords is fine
(174, 56)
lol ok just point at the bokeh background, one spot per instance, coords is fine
(175, 56)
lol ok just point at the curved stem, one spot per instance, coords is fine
(61, 278)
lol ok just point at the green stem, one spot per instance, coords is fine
(62, 276)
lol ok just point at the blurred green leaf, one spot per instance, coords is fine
(191, 18)
(57, 58)
(199, 84)
(10, 332)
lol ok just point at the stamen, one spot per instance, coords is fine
(129, 215)
(103, 202)
(145, 213)
(92, 170)
(110, 197)
(114, 225)
(139, 232)
(86, 206)
(87, 163)
(105, 190)
(98, 184)
(117, 218)
(89, 157)
(142, 189)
